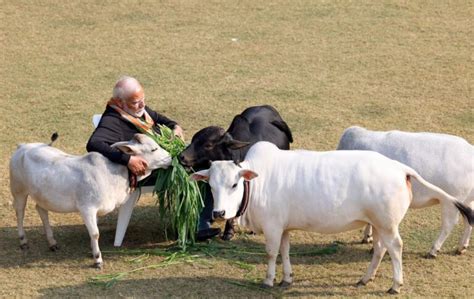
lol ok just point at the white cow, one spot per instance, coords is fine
(325, 192)
(444, 160)
(90, 184)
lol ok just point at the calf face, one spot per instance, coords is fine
(144, 146)
(209, 144)
(226, 181)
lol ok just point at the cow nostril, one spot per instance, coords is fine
(218, 214)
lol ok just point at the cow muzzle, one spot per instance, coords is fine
(185, 161)
(218, 215)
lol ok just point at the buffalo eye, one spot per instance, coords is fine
(234, 186)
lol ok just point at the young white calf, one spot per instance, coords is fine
(325, 192)
(444, 160)
(90, 184)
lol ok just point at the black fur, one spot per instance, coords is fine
(258, 123)
(466, 211)
(54, 137)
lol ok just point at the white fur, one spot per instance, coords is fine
(90, 184)
(446, 161)
(325, 192)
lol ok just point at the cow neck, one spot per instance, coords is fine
(245, 199)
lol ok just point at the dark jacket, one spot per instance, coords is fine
(113, 128)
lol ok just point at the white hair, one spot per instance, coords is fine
(125, 87)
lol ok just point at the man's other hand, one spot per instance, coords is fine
(137, 165)
(178, 131)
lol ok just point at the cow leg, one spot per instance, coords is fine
(53, 246)
(90, 220)
(229, 230)
(367, 235)
(285, 257)
(464, 241)
(379, 252)
(19, 203)
(449, 218)
(394, 244)
(272, 244)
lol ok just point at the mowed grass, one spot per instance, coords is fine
(325, 65)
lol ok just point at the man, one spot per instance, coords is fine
(125, 113)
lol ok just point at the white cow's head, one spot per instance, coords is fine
(145, 147)
(226, 180)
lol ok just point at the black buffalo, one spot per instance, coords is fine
(258, 123)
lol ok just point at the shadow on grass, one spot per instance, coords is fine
(185, 287)
(145, 236)
(205, 287)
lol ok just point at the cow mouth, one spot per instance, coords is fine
(193, 164)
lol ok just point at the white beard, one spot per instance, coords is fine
(139, 113)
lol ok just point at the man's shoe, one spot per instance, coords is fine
(208, 233)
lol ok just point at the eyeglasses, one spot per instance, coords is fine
(136, 103)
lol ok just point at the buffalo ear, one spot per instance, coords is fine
(232, 143)
(237, 144)
(248, 174)
(202, 175)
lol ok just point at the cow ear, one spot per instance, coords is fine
(233, 144)
(226, 138)
(126, 147)
(248, 174)
(140, 138)
(202, 175)
(237, 144)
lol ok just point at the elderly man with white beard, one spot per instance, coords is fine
(125, 115)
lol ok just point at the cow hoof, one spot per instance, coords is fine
(24, 246)
(429, 255)
(227, 236)
(265, 286)
(461, 251)
(98, 266)
(54, 248)
(392, 291)
(284, 284)
(366, 240)
(361, 283)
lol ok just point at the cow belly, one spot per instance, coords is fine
(338, 228)
(326, 226)
(57, 205)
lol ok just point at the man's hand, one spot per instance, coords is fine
(137, 165)
(178, 131)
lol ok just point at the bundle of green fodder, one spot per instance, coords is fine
(179, 198)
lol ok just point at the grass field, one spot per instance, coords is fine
(325, 65)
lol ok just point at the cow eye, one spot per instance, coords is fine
(208, 146)
(234, 186)
(155, 149)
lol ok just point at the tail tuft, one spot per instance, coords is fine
(53, 138)
(466, 212)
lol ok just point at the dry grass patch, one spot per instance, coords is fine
(325, 65)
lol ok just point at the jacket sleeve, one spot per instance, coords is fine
(107, 133)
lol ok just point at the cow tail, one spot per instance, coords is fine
(442, 195)
(282, 126)
(54, 137)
